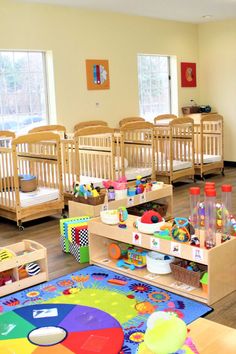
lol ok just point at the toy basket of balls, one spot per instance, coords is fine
(187, 272)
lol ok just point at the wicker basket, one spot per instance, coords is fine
(90, 200)
(186, 276)
(28, 184)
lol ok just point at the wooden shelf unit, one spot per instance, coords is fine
(220, 260)
(26, 251)
(164, 194)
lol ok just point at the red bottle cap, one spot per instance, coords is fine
(194, 190)
(226, 188)
(210, 192)
(212, 184)
(208, 187)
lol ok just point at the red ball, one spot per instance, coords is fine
(151, 217)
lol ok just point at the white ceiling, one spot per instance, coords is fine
(179, 10)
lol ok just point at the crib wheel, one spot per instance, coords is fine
(223, 171)
(63, 214)
(203, 178)
(21, 228)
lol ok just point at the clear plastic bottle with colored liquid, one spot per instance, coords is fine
(194, 199)
(210, 218)
(226, 198)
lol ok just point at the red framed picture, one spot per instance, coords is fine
(188, 75)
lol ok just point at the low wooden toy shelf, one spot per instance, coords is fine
(163, 194)
(220, 260)
(26, 252)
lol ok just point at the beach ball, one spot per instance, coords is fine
(166, 335)
(32, 269)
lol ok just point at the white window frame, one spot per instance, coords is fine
(49, 91)
(172, 87)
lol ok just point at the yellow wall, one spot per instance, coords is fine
(74, 35)
(217, 53)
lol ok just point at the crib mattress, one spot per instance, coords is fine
(208, 158)
(40, 196)
(97, 182)
(177, 165)
(130, 173)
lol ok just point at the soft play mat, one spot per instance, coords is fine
(61, 329)
(122, 300)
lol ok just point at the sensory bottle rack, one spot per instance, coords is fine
(164, 194)
(220, 261)
(26, 251)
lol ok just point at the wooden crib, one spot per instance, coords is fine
(164, 118)
(95, 155)
(208, 145)
(130, 120)
(37, 154)
(174, 146)
(55, 128)
(137, 150)
(90, 123)
(70, 170)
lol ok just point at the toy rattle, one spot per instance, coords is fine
(123, 216)
(180, 230)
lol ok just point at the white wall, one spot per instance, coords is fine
(75, 35)
(217, 57)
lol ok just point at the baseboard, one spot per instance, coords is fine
(230, 163)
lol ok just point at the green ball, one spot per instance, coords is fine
(166, 336)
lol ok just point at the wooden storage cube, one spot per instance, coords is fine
(8, 277)
(221, 276)
(26, 252)
(162, 196)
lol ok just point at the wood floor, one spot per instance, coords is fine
(46, 231)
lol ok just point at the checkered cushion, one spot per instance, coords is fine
(74, 237)
(64, 244)
(81, 235)
(81, 254)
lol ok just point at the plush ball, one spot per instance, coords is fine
(166, 335)
(151, 217)
(32, 269)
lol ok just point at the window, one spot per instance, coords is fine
(23, 90)
(154, 85)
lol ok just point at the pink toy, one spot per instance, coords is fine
(120, 184)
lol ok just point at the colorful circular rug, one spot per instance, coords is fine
(59, 329)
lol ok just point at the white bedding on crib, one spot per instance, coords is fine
(208, 158)
(177, 165)
(41, 195)
(130, 173)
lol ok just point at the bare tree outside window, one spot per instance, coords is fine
(154, 85)
(23, 90)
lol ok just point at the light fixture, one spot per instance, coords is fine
(206, 17)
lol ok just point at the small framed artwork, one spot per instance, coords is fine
(188, 75)
(97, 74)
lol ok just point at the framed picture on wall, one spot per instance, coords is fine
(97, 72)
(188, 75)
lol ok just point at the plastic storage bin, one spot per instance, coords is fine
(156, 263)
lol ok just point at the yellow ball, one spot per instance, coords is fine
(166, 336)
